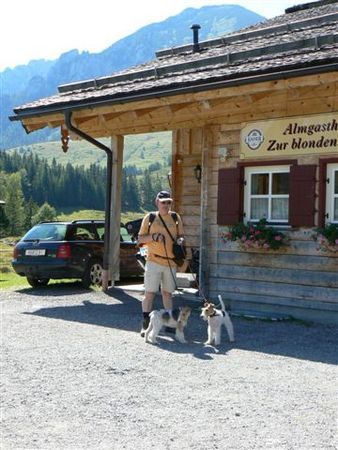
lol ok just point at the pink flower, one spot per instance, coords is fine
(278, 238)
(243, 238)
(266, 246)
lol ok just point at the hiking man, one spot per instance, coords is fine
(158, 232)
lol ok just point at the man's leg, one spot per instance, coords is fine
(167, 300)
(147, 305)
(152, 277)
(168, 287)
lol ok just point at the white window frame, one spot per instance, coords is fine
(331, 170)
(249, 171)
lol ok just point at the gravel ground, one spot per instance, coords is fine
(75, 374)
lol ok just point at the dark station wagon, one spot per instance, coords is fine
(70, 250)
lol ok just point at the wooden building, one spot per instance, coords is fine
(257, 110)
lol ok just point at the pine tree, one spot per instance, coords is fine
(133, 194)
(147, 192)
(4, 222)
(14, 208)
(30, 210)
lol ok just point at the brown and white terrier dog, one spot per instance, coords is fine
(216, 318)
(177, 318)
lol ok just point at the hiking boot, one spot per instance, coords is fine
(145, 325)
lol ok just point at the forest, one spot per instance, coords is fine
(34, 190)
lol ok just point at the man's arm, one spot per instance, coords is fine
(180, 231)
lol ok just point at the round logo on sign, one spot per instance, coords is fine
(254, 139)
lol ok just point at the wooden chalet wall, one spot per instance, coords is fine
(187, 152)
(299, 281)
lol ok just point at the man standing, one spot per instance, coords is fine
(160, 270)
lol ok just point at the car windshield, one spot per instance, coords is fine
(47, 231)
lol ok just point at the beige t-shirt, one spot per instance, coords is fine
(158, 252)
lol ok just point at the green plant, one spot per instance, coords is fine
(327, 238)
(255, 235)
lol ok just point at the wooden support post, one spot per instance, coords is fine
(115, 209)
(204, 222)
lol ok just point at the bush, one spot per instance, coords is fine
(45, 213)
(327, 238)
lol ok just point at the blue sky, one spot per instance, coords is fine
(38, 29)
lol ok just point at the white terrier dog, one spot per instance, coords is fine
(216, 318)
(177, 318)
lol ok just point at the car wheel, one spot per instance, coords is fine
(38, 282)
(93, 274)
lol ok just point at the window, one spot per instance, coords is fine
(100, 231)
(125, 236)
(266, 194)
(283, 193)
(84, 232)
(332, 194)
(47, 231)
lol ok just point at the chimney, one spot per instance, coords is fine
(195, 28)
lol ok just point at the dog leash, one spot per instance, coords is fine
(171, 270)
(165, 249)
(200, 290)
(168, 259)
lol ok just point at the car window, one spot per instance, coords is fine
(100, 231)
(47, 231)
(83, 232)
(125, 236)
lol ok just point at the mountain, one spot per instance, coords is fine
(139, 151)
(40, 78)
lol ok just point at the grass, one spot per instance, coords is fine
(10, 280)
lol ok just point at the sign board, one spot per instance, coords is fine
(289, 137)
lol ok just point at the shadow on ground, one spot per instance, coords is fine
(121, 309)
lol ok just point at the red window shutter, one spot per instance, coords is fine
(302, 195)
(230, 192)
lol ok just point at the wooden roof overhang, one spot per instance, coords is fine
(184, 89)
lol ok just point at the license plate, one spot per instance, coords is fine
(35, 252)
